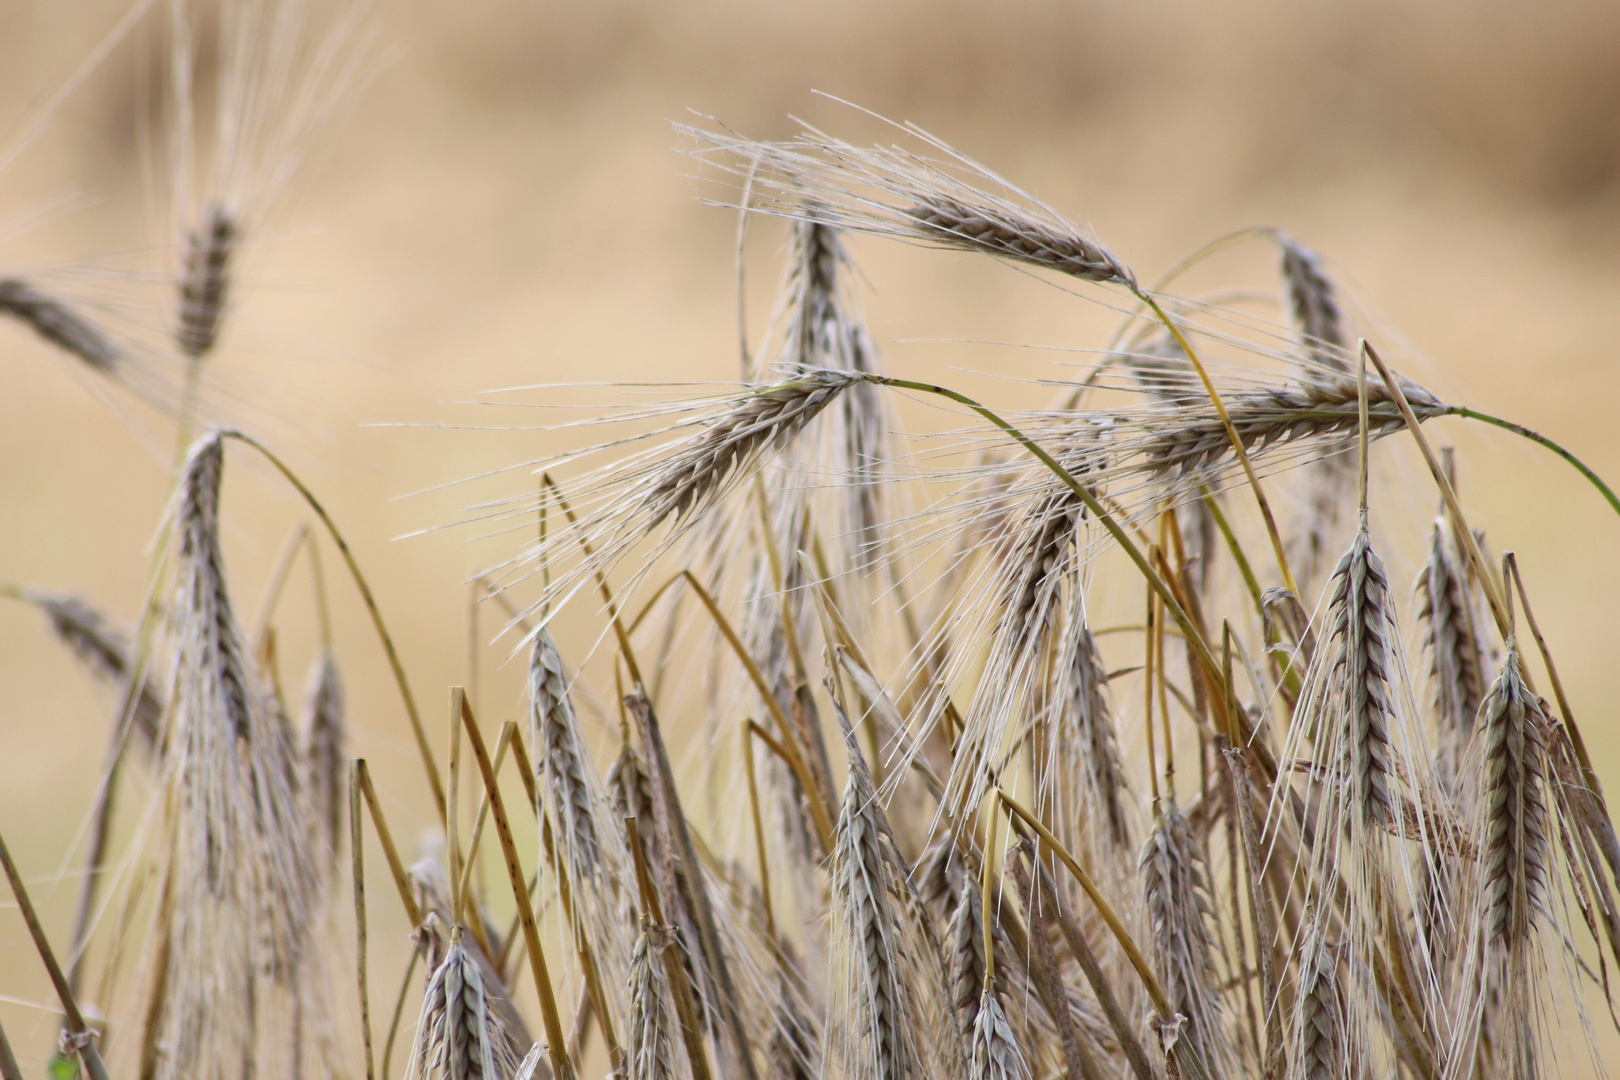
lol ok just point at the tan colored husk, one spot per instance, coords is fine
(326, 764)
(459, 1035)
(649, 1049)
(243, 887)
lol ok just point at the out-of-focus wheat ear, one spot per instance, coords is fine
(325, 736)
(630, 786)
(996, 1053)
(795, 1048)
(459, 1036)
(205, 282)
(1322, 1047)
(554, 733)
(1315, 306)
(1176, 895)
(58, 323)
(676, 840)
(1086, 726)
(106, 652)
(648, 1052)
(1450, 614)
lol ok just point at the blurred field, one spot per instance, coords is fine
(503, 207)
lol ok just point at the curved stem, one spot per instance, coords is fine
(619, 631)
(1232, 436)
(1161, 1003)
(1215, 246)
(371, 607)
(818, 806)
(1536, 437)
(1085, 496)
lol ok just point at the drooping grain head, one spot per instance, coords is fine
(889, 191)
(1086, 738)
(1322, 1049)
(765, 419)
(993, 231)
(877, 1034)
(106, 651)
(243, 879)
(1194, 440)
(62, 326)
(964, 940)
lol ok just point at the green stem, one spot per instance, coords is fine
(371, 607)
(1242, 560)
(1521, 430)
(1085, 496)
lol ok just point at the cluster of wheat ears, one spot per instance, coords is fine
(941, 838)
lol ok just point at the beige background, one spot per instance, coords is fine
(503, 206)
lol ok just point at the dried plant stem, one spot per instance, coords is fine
(399, 1009)
(673, 826)
(987, 873)
(1237, 443)
(1232, 544)
(1260, 909)
(9, 1069)
(555, 1035)
(759, 828)
(674, 970)
(1568, 715)
(1487, 576)
(1160, 1002)
(1205, 656)
(402, 880)
(80, 1037)
(357, 854)
(502, 744)
(1524, 432)
(1124, 1030)
(601, 585)
(278, 581)
(1048, 981)
(512, 737)
(371, 607)
(796, 760)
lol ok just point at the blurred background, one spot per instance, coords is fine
(502, 206)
